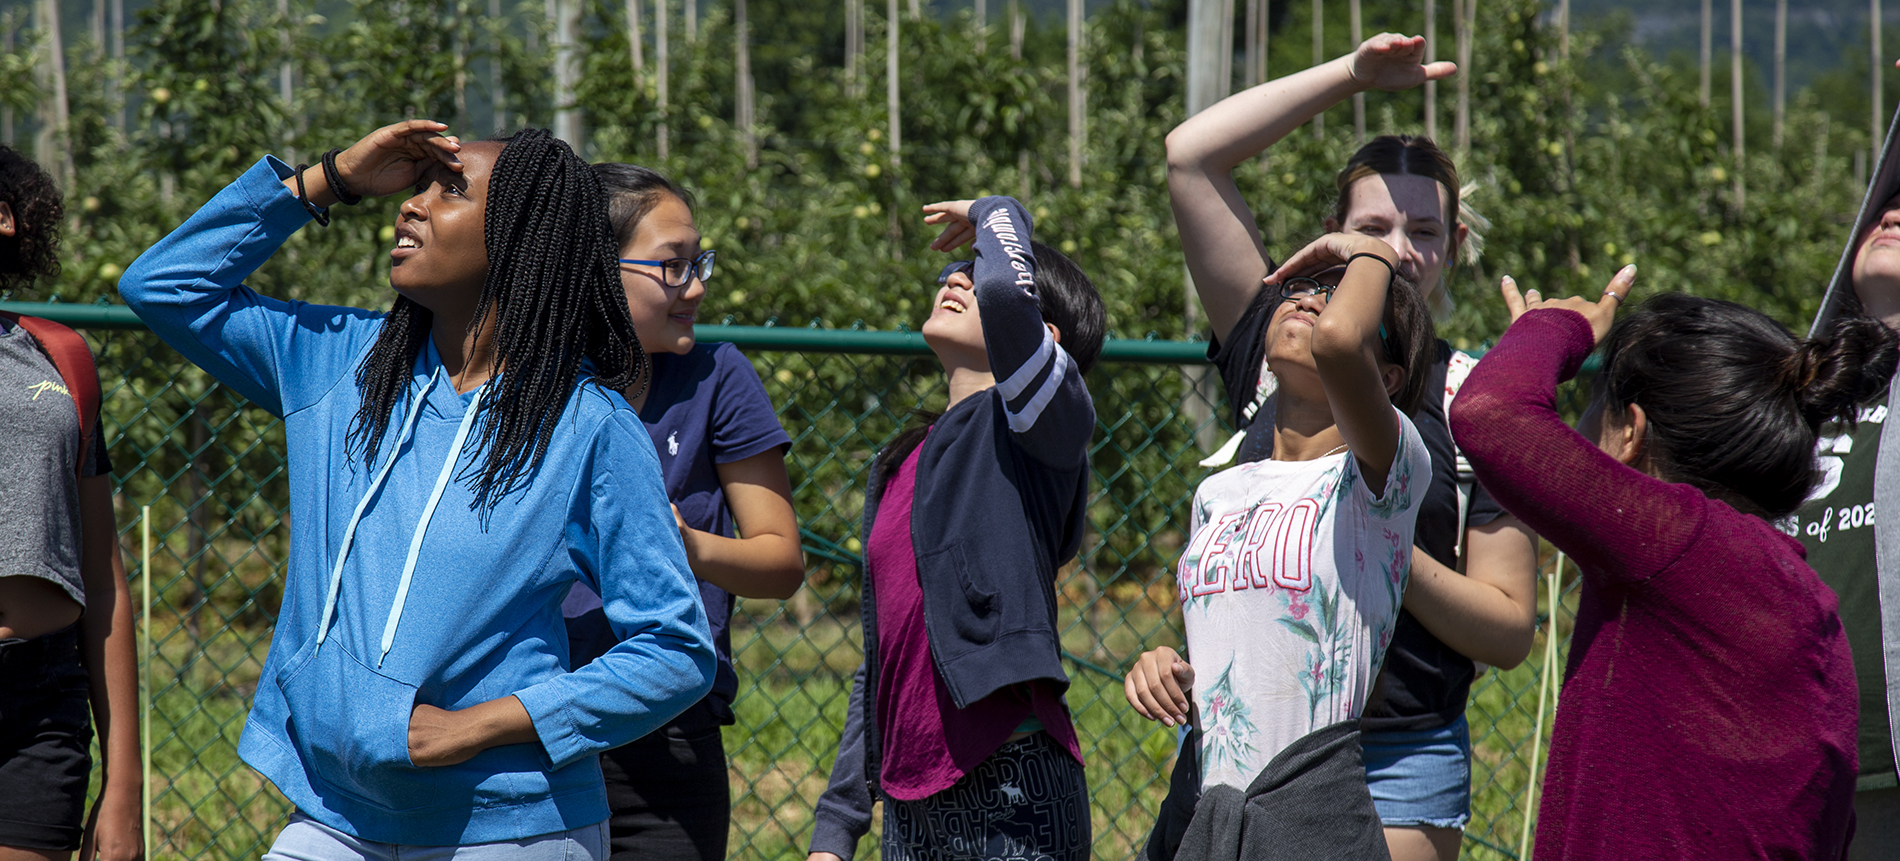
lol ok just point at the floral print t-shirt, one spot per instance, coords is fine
(1290, 590)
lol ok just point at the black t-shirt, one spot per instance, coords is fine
(1424, 683)
(1836, 525)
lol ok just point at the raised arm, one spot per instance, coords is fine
(1615, 521)
(1047, 404)
(190, 286)
(1225, 255)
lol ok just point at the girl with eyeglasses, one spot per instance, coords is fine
(957, 721)
(1293, 571)
(1473, 592)
(722, 457)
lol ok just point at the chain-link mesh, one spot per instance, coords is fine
(211, 469)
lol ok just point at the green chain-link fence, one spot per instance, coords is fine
(209, 472)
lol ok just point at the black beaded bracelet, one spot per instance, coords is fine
(342, 192)
(317, 213)
(1390, 272)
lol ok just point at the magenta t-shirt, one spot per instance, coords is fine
(929, 743)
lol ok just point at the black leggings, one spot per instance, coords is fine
(669, 792)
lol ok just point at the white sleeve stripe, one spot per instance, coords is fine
(1024, 419)
(1019, 382)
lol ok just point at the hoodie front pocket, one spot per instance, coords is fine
(350, 726)
(975, 616)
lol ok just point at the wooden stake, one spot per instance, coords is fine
(661, 61)
(1358, 99)
(1781, 67)
(1319, 56)
(1708, 25)
(1076, 95)
(1431, 56)
(890, 85)
(1735, 100)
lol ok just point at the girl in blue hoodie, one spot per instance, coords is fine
(457, 463)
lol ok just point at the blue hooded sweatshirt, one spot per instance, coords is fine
(429, 605)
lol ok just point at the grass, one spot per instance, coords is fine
(794, 682)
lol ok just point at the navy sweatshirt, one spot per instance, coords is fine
(1000, 501)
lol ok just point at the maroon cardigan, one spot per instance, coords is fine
(1708, 707)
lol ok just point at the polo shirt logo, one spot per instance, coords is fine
(673, 443)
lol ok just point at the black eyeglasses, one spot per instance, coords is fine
(677, 271)
(1299, 287)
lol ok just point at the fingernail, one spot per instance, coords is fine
(1630, 270)
(1167, 721)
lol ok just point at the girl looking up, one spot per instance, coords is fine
(1294, 568)
(1708, 707)
(1473, 590)
(722, 457)
(457, 463)
(956, 720)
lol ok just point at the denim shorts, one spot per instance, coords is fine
(306, 839)
(1421, 778)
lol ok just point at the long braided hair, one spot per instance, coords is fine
(553, 291)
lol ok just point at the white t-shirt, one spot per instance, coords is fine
(1290, 591)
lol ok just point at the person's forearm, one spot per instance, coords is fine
(1476, 619)
(758, 566)
(440, 737)
(1243, 125)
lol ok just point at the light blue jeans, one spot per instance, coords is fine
(306, 839)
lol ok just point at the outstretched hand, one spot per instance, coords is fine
(394, 157)
(1600, 311)
(1158, 684)
(1392, 62)
(954, 215)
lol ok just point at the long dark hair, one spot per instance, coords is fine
(1735, 402)
(553, 291)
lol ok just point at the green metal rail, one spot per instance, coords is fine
(800, 339)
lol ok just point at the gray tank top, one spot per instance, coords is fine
(39, 509)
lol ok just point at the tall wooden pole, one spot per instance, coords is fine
(497, 97)
(1017, 24)
(1255, 52)
(853, 47)
(115, 96)
(692, 20)
(1735, 99)
(634, 43)
(1781, 68)
(1076, 95)
(742, 72)
(284, 75)
(1563, 29)
(1358, 99)
(1431, 56)
(1319, 56)
(890, 85)
(663, 133)
(980, 16)
(567, 73)
(1467, 13)
(1878, 101)
(1708, 25)
(54, 144)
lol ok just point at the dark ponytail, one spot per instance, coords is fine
(1829, 375)
(1735, 401)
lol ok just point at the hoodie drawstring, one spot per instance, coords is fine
(422, 526)
(349, 532)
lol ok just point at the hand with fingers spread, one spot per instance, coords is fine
(1601, 312)
(387, 160)
(1392, 62)
(1158, 686)
(954, 215)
